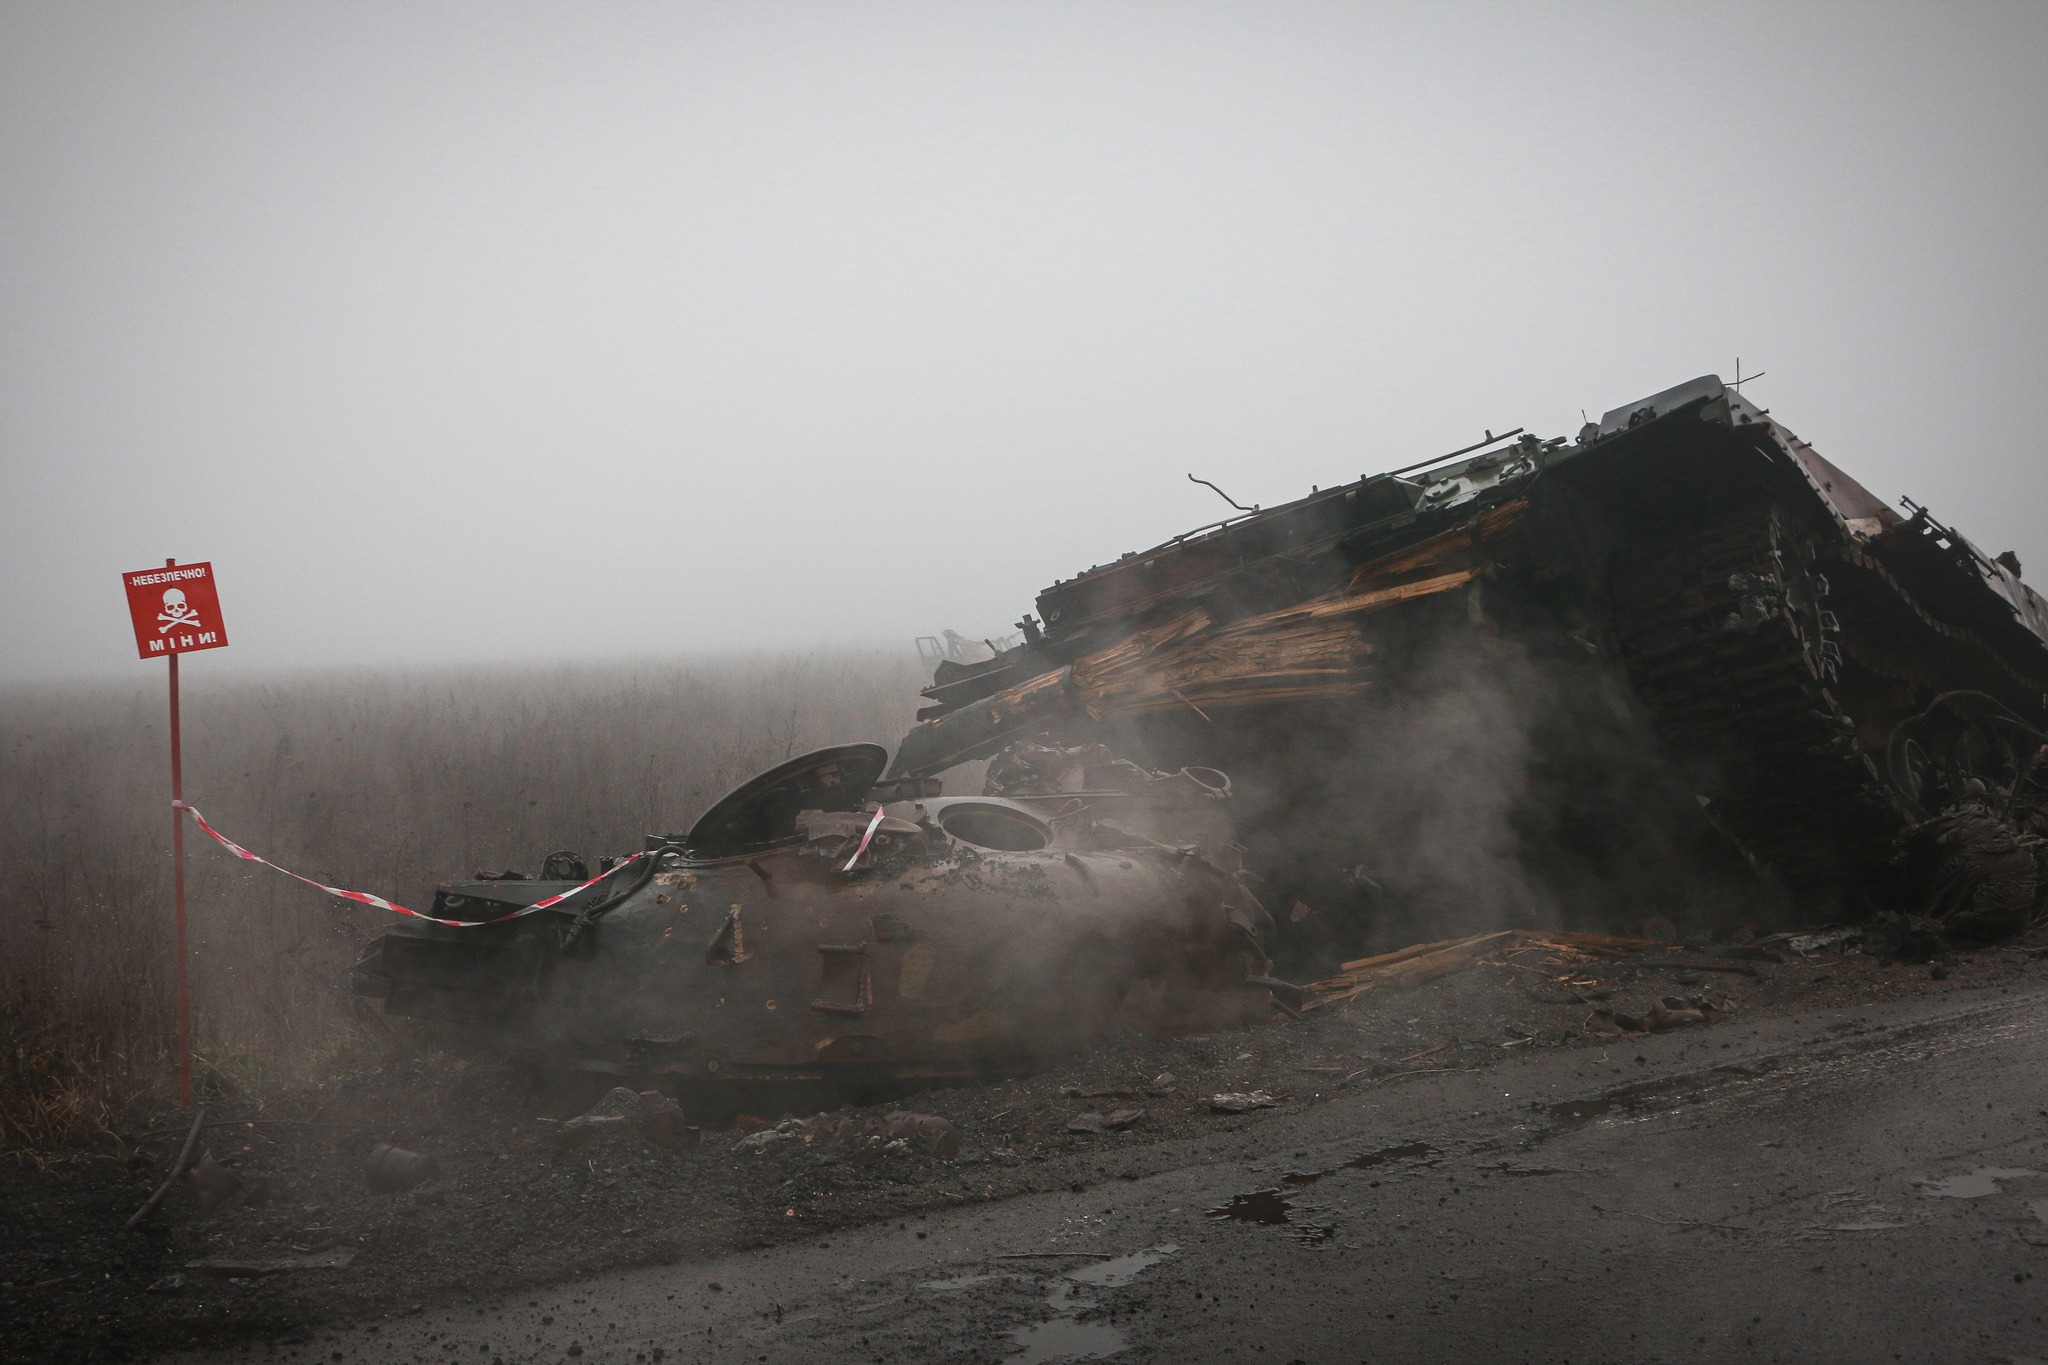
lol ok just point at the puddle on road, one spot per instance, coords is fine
(1124, 1269)
(1977, 1184)
(1274, 1209)
(1260, 1206)
(1062, 1337)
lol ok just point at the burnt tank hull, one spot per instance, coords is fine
(778, 943)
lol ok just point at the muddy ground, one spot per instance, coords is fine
(515, 1209)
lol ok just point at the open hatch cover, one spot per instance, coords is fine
(761, 812)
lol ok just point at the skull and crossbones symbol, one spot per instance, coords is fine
(177, 612)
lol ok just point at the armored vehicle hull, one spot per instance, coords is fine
(800, 933)
(1825, 677)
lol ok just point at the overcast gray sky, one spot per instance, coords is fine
(501, 332)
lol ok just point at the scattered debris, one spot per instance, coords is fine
(1977, 1184)
(924, 1132)
(1732, 968)
(1116, 1121)
(1665, 1016)
(840, 1137)
(1421, 962)
(648, 1114)
(1826, 938)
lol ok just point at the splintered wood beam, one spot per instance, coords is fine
(1421, 962)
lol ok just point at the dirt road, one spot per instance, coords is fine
(1830, 1185)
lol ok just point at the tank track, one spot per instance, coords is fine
(1725, 636)
(1924, 650)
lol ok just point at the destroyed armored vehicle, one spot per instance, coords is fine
(815, 927)
(1550, 681)
(1686, 608)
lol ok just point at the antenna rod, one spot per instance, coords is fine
(1223, 495)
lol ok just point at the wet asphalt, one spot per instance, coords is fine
(1834, 1186)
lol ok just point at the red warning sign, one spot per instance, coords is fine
(175, 610)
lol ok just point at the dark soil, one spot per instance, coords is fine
(515, 1210)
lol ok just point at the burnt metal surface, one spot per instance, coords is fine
(778, 942)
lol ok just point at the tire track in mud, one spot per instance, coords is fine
(1829, 1069)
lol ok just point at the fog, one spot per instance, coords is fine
(478, 333)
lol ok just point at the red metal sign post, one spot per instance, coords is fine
(175, 610)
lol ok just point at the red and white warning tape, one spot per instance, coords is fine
(865, 840)
(365, 898)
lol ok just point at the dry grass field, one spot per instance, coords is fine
(386, 782)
